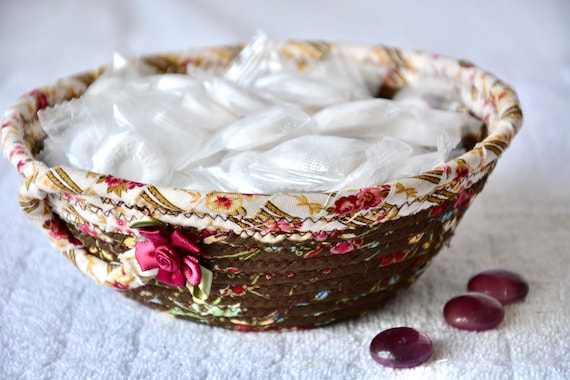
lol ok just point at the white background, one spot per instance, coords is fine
(56, 323)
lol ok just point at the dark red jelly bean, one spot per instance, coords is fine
(401, 347)
(503, 285)
(474, 312)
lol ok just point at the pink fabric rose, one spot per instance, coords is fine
(171, 254)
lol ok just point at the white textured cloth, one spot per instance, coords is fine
(56, 323)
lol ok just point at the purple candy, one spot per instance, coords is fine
(401, 347)
(473, 312)
(503, 285)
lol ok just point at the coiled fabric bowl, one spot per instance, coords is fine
(261, 262)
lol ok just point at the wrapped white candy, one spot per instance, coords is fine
(355, 118)
(260, 65)
(121, 72)
(74, 129)
(424, 159)
(261, 128)
(308, 163)
(232, 174)
(423, 127)
(128, 155)
(175, 102)
(340, 64)
(303, 90)
(252, 132)
(383, 159)
(239, 100)
(431, 93)
(376, 118)
(173, 111)
(439, 95)
(257, 59)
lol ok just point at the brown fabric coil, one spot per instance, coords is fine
(280, 290)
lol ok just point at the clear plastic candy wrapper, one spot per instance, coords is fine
(255, 130)
(129, 154)
(268, 124)
(122, 72)
(73, 129)
(231, 174)
(311, 162)
(431, 94)
(237, 99)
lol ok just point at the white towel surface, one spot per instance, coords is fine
(57, 324)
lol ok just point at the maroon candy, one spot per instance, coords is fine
(474, 312)
(401, 347)
(503, 285)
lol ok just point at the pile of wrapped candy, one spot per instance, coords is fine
(263, 126)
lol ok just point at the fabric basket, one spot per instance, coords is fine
(261, 262)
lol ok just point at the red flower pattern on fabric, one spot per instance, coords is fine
(41, 98)
(464, 197)
(172, 255)
(343, 247)
(282, 225)
(461, 172)
(365, 199)
(437, 210)
(18, 149)
(345, 205)
(59, 232)
(89, 231)
(116, 182)
(368, 198)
